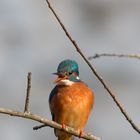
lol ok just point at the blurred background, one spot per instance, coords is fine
(32, 40)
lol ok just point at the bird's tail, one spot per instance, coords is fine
(65, 138)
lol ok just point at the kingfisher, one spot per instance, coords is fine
(71, 100)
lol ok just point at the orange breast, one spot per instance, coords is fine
(72, 105)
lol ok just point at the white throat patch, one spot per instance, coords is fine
(77, 78)
(65, 82)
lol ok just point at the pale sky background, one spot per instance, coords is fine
(32, 40)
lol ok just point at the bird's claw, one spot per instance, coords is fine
(63, 126)
(81, 133)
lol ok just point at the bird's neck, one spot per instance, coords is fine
(70, 81)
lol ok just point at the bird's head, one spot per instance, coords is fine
(68, 72)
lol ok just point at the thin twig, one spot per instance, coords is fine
(136, 56)
(26, 109)
(47, 122)
(136, 128)
(38, 127)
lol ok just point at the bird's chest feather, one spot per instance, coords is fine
(71, 97)
(72, 102)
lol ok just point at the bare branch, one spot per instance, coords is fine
(136, 128)
(26, 109)
(136, 56)
(38, 127)
(47, 122)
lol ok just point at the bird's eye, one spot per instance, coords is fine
(70, 73)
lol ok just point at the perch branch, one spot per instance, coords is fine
(47, 122)
(136, 128)
(26, 109)
(136, 56)
(40, 126)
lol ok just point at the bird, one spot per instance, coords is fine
(71, 100)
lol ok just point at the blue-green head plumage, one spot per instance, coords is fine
(69, 66)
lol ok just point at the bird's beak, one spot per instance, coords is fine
(58, 79)
(55, 73)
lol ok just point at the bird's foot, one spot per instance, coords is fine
(81, 133)
(63, 126)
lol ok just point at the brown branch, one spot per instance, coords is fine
(38, 127)
(136, 128)
(47, 122)
(26, 109)
(137, 56)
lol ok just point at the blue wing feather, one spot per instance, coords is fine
(52, 94)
